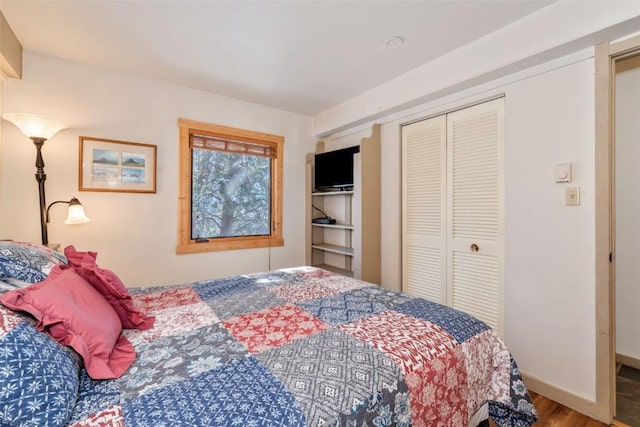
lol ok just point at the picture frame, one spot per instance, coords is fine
(120, 166)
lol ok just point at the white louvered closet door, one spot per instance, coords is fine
(424, 200)
(453, 210)
(475, 214)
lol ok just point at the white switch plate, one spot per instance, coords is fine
(572, 196)
(563, 172)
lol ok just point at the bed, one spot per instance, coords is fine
(290, 347)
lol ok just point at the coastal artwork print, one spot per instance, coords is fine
(109, 165)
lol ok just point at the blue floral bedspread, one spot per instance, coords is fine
(305, 347)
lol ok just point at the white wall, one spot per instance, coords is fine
(549, 247)
(135, 234)
(627, 178)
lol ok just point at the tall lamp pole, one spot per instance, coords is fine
(39, 129)
(41, 177)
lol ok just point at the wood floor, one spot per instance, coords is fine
(552, 414)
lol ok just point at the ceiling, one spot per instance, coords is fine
(299, 56)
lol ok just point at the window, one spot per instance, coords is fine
(230, 188)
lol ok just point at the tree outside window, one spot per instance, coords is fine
(230, 192)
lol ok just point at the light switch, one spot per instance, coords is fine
(572, 196)
(563, 172)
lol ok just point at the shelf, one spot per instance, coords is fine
(333, 248)
(332, 193)
(339, 226)
(355, 251)
(334, 269)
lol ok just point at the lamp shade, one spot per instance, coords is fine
(34, 125)
(76, 213)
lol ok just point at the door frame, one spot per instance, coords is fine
(606, 56)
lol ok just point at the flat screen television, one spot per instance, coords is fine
(334, 169)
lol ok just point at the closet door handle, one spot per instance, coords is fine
(474, 247)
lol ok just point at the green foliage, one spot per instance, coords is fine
(230, 194)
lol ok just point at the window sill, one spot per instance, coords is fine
(228, 244)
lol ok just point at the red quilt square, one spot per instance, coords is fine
(314, 273)
(341, 283)
(8, 320)
(174, 321)
(273, 327)
(304, 292)
(110, 417)
(488, 366)
(437, 391)
(408, 341)
(156, 301)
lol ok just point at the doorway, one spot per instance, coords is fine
(607, 56)
(626, 237)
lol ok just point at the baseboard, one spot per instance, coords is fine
(564, 397)
(631, 361)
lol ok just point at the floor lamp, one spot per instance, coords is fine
(39, 129)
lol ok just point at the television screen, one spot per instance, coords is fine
(334, 169)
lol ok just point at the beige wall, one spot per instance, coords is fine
(10, 50)
(2, 78)
(135, 234)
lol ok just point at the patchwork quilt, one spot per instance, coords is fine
(305, 347)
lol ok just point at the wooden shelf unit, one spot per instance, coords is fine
(350, 247)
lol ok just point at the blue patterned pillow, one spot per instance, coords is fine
(27, 261)
(38, 377)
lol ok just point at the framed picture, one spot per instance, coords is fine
(109, 165)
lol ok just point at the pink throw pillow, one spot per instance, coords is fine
(109, 285)
(75, 314)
